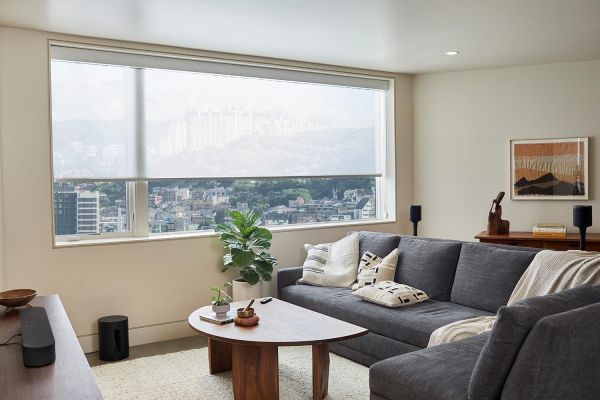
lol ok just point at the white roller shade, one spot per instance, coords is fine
(140, 117)
(219, 67)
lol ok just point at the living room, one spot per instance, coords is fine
(164, 122)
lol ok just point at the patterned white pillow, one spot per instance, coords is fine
(391, 294)
(373, 269)
(331, 264)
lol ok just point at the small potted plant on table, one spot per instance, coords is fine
(247, 244)
(220, 300)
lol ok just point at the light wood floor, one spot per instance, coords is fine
(153, 349)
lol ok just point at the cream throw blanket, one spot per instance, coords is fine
(549, 272)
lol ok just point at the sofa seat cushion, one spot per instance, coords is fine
(428, 265)
(371, 348)
(436, 373)
(412, 324)
(486, 276)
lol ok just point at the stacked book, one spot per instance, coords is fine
(550, 231)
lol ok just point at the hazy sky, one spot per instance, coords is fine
(88, 91)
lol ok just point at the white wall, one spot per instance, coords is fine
(463, 122)
(157, 284)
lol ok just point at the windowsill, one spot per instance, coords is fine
(195, 235)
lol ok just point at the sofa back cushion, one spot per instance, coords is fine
(486, 276)
(380, 244)
(559, 359)
(512, 327)
(428, 265)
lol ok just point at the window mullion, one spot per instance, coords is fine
(140, 197)
(140, 209)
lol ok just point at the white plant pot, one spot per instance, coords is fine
(242, 290)
(221, 310)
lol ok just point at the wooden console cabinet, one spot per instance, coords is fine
(526, 239)
(69, 378)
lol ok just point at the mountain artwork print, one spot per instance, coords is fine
(549, 169)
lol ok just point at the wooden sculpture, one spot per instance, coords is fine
(497, 225)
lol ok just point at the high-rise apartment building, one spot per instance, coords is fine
(88, 212)
(65, 213)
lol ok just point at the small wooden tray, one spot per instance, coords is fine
(250, 321)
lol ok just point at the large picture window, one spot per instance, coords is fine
(148, 145)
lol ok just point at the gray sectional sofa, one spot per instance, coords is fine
(464, 280)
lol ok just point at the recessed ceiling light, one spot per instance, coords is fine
(452, 53)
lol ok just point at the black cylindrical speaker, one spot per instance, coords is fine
(582, 218)
(113, 337)
(415, 217)
(415, 213)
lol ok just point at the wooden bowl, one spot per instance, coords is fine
(249, 321)
(17, 297)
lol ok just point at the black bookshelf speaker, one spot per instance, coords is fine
(582, 219)
(415, 217)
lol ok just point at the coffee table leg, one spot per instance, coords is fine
(255, 372)
(320, 370)
(219, 356)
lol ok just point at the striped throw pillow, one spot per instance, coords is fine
(331, 264)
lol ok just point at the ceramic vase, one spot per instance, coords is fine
(221, 310)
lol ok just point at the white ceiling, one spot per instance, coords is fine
(389, 35)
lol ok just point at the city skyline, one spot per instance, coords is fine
(201, 205)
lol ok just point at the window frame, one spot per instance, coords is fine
(137, 191)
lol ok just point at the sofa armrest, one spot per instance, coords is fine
(559, 359)
(287, 277)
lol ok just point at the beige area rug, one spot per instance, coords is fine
(184, 375)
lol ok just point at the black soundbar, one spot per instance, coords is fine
(37, 338)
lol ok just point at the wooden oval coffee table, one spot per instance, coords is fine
(251, 352)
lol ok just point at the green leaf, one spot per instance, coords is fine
(266, 257)
(258, 244)
(260, 239)
(242, 258)
(236, 245)
(238, 220)
(236, 215)
(250, 276)
(264, 269)
(252, 217)
(247, 231)
(263, 233)
(230, 236)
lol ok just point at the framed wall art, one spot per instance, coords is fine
(549, 169)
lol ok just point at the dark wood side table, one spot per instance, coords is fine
(526, 239)
(70, 377)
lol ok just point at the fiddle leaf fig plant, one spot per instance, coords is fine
(247, 244)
